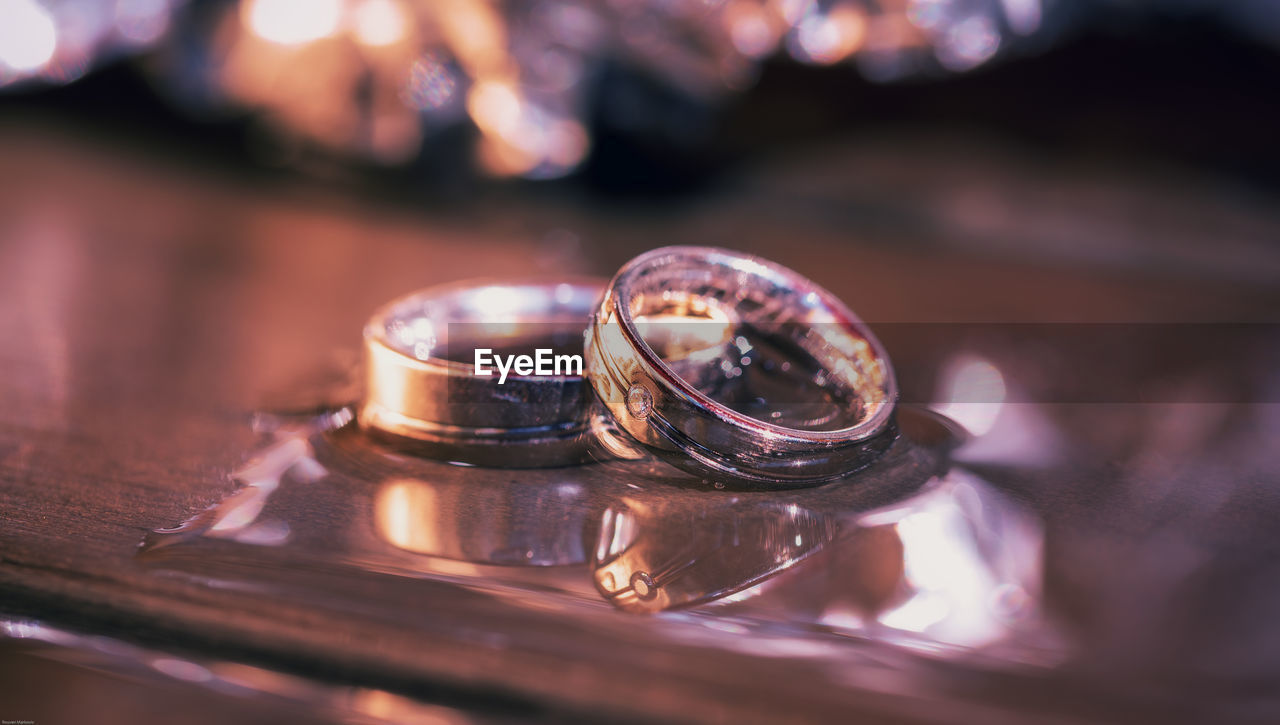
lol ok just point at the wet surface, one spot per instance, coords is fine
(147, 685)
(910, 559)
(321, 494)
(1094, 560)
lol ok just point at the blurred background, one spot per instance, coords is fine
(638, 98)
(1098, 132)
(1061, 216)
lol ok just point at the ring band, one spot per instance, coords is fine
(675, 419)
(417, 397)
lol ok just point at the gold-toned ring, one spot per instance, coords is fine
(421, 396)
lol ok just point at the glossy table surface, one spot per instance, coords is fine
(179, 343)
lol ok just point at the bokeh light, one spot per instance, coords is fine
(293, 22)
(28, 35)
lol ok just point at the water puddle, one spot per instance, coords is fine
(911, 554)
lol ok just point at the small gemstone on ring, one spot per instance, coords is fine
(643, 585)
(639, 401)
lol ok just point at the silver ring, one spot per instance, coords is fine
(419, 396)
(677, 419)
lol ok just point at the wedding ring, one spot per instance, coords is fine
(421, 387)
(776, 313)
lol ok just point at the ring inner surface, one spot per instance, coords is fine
(505, 319)
(796, 357)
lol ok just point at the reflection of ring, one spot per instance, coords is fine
(674, 418)
(419, 393)
(660, 548)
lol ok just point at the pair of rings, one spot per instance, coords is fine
(725, 365)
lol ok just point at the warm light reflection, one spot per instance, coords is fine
(974, 391)
(963, 569)
(379, 22)
(483, 522)
(181, 669)
(498, 302)
(28, 35)
(477, 35)
(654, 554)
(260, 477)
(793, 11)
(374, 79)
(403, 511)
(828, 38)
(944, 566)
(292, 22)
(975, 394)
(618, 532)
(521, 137)
(614, 444)
(252, 684)
(968, 43)
(422, 337)
(494, 106)
(753, 29)
(918, 614)
(678, 337)
(386, 707)
(497, 314)
(239, 517)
